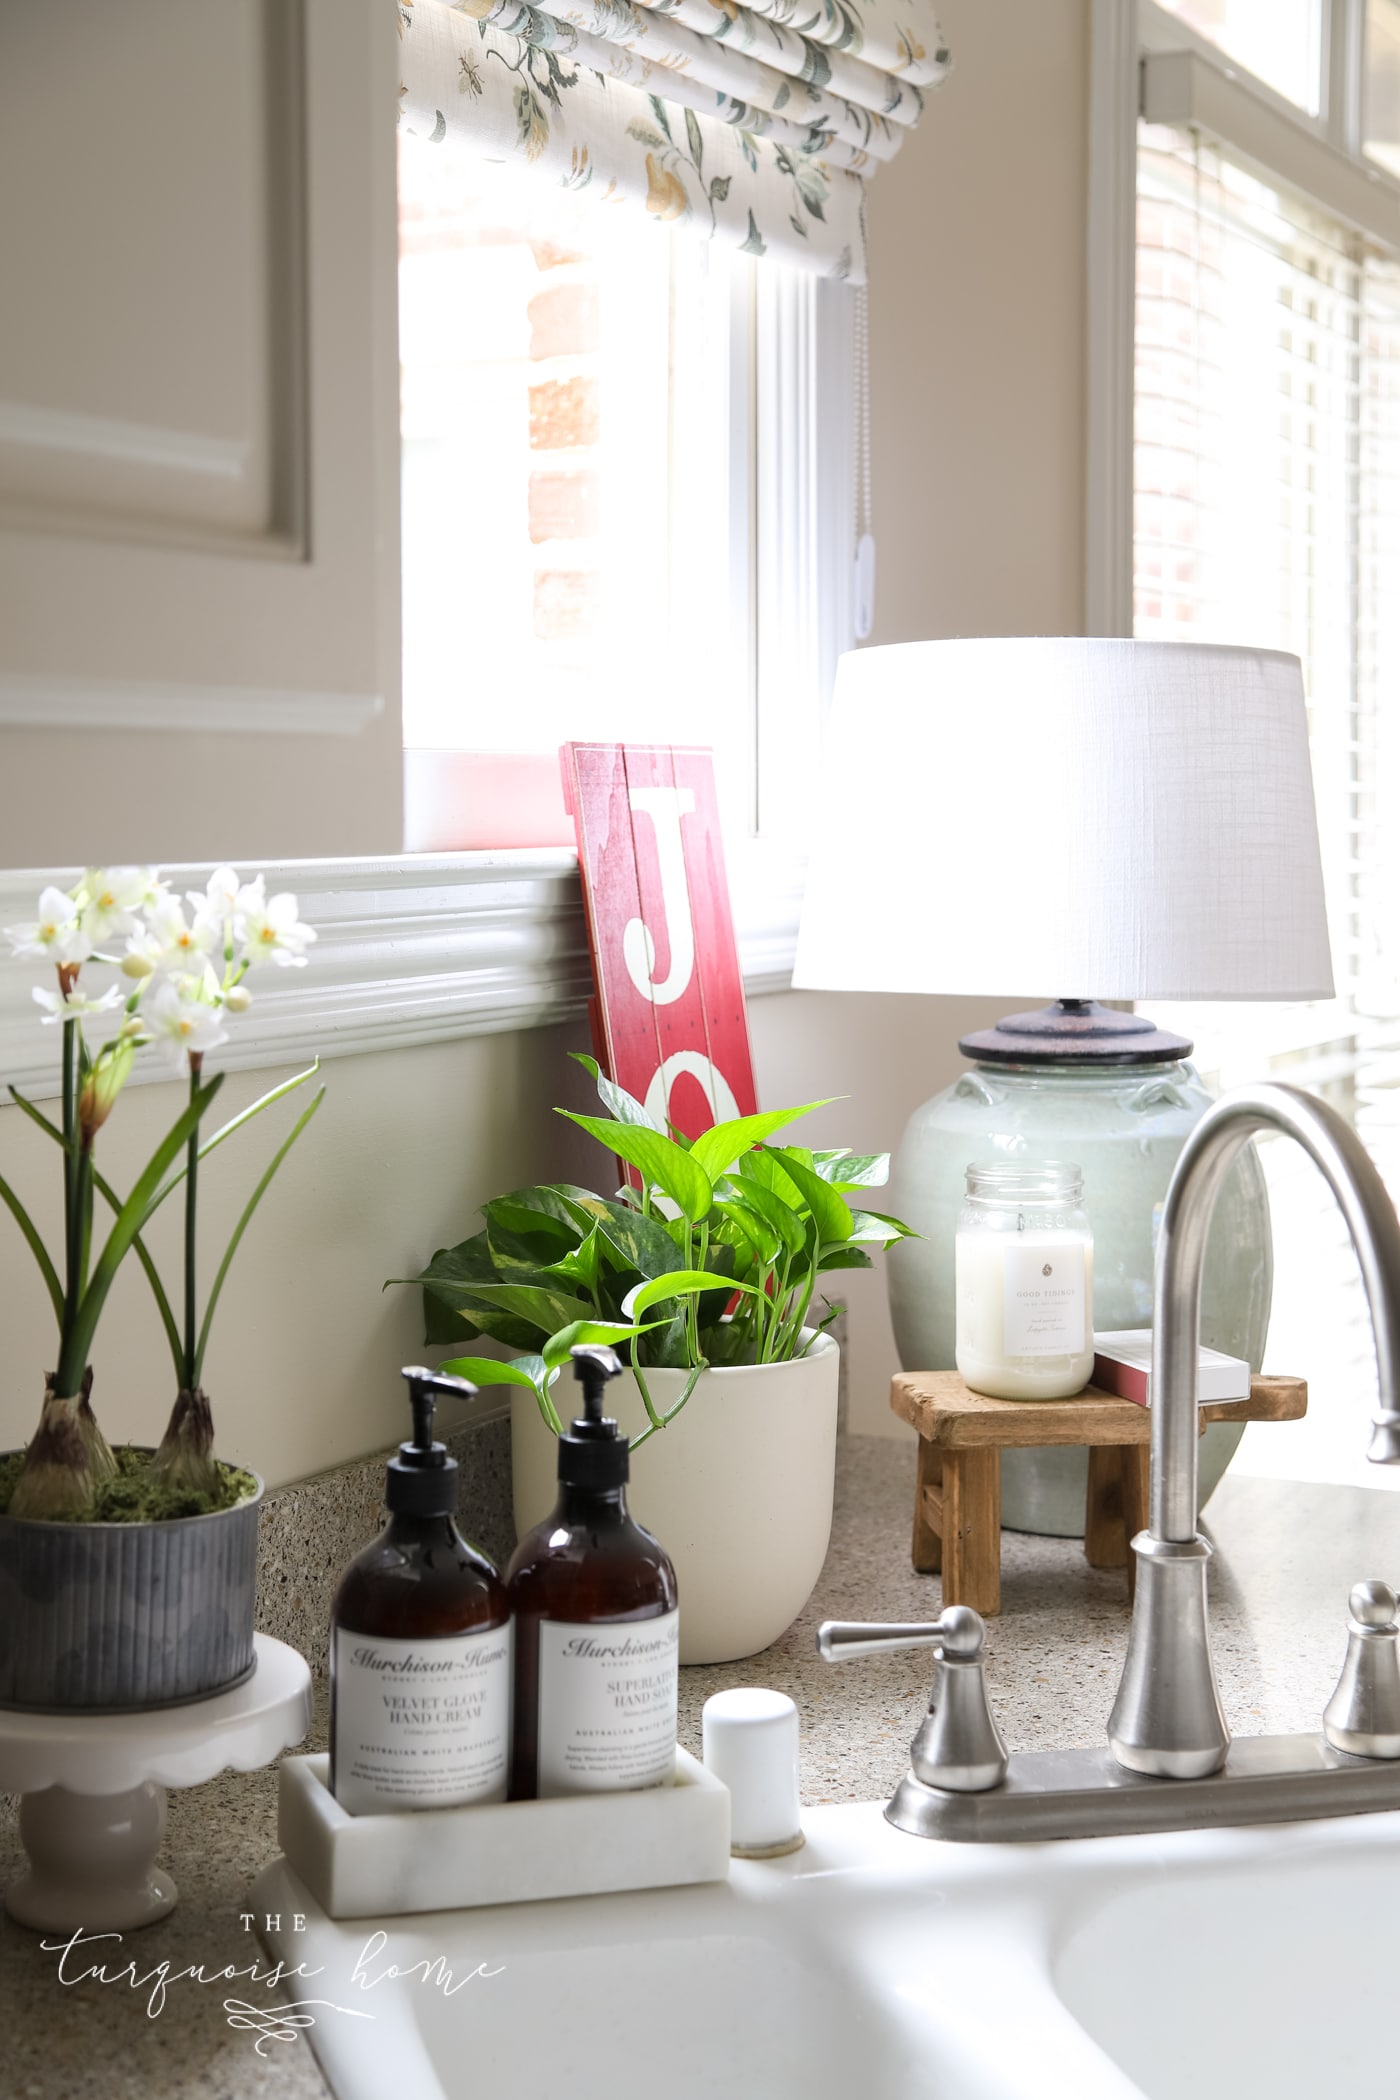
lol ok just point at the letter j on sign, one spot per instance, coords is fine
(669, 1022)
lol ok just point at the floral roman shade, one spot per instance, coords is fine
(754, 124)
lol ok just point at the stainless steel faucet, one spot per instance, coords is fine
(1167, 1726)
(1167, 1718)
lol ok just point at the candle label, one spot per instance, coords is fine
(608, 1705)
(1044, 1311)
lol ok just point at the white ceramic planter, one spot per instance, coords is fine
(738, 1489)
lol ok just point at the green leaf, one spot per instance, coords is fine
(853, 1170)
(717, 1149)
(639, 1243)
(616, 1099)
(685, 1283)
(611, 1332)
(538, 1303)
(580, 1265)
(658, 110)
(697, 142)
(719, 188)
(449, 1282)
(872, 1228)
(35, 1245)
(242, 1226)
(645, 136)
(847, 1257)
(780, 1216)
(754, 243)
(489, 1370)
(831, 1212)
(665, 1165)
(235, 1123)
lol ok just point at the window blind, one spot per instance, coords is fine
(1267, 511)
(753, 124)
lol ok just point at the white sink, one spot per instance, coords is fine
(886, 1967)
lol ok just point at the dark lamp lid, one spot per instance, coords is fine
(593, 1451)
(1075, 1032)
(421, 1479)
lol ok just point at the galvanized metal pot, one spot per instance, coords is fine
(117, 1618)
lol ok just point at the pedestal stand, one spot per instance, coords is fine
(93, 1811)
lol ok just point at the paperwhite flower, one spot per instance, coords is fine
(216, 906)
(60, 1006)
(271, 931)
(166, 942)
(56, 935)
(115, 898)
(237, 999)
(179, 1024)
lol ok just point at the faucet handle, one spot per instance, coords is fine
(852, 1640)
(958, 1747)
(1362, 1717)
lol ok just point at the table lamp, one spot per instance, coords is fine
(1102, 820)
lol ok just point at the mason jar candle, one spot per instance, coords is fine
(1024, 1289)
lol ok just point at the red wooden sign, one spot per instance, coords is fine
(669, 1022)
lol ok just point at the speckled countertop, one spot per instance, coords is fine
(1286, 1557)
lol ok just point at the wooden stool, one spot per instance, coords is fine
(962, 1434)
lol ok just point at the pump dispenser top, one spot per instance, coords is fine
(422, 1479)
(593, 1451)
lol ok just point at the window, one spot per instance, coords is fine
(1266, 510)
(583, 489)
(1279, 41)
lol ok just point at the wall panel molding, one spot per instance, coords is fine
(418, 949)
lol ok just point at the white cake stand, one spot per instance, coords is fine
(93, 1813)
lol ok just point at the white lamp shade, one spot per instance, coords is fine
(1083, 818)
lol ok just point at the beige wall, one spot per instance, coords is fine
(977, 334)
(977, 348)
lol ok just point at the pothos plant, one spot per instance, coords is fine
(713, 1256)
(183, 963)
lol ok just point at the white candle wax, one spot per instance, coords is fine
(1025, 1312)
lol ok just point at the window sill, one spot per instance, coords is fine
(421, 948)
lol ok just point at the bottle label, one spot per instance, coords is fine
(607, 1715)
(1045, 1308)
(421, 1724)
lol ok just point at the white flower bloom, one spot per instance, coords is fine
(115, 898)
(216, 905)
(178, 1024)
(60, 1007)
(56, 935)
(167, 943)
(272, 931)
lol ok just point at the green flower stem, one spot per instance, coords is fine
(78, 1331)
(114, 1203)
(70, 1173)
(191, 1343)
(234, 1123)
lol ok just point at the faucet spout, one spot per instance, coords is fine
(1167, 1719)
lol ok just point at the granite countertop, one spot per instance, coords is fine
(1286, 1557)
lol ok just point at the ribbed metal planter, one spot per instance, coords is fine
(117, 1618)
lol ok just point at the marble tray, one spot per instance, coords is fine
(507, 1852)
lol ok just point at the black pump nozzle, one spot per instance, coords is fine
(422, 1478)
(592, 1452)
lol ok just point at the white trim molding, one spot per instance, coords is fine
(419, 949)
(43, 700)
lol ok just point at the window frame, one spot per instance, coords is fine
(1147, 63)
(792, 514)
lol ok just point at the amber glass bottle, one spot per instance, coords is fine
(593, 1597)
(420, 1645)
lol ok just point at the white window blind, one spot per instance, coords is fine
(1266, 510)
